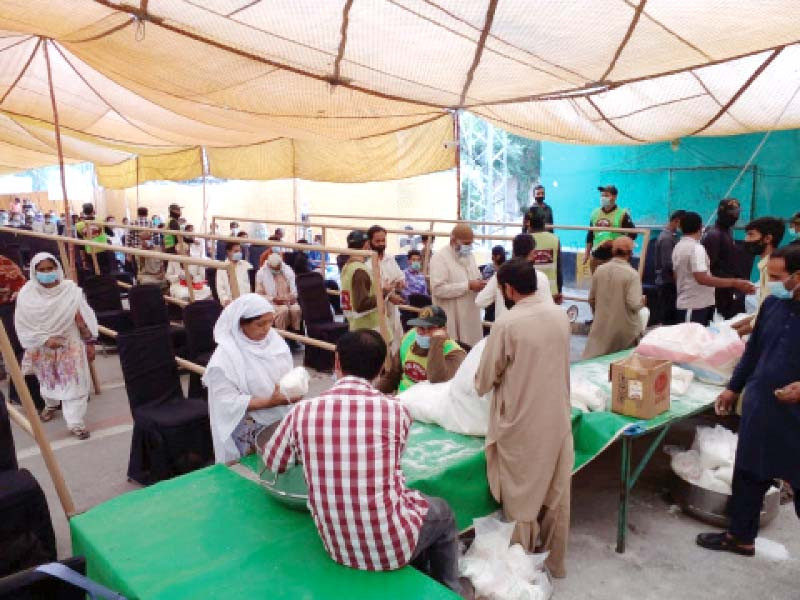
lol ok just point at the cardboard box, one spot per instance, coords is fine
(640, 386)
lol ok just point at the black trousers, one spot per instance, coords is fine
(667, 298)
(695, 315)
(746, 503)
(436, 553)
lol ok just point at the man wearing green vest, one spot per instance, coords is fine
(359, 303)
(547, 254)
(608, 214)
(170, 240)
(426, 354)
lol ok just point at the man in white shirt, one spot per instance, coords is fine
(393, 280)
(693, 278)
(523, 246)
(234, 256)
(455, 280)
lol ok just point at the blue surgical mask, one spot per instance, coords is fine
(416, 266)
(778, 289)
(423, 341)
(236, 256)
(465, 250)
(47, 277)
(794, 234)
(156, 221)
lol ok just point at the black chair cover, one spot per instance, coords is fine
(313, 299)
(199, 319)
(8, 454)
(171, 433)
(26, 532)
(13, 252)
(419, 301)
(33, 585)
(149, 308)
(7, 317)
(103, 295)
(334, 299)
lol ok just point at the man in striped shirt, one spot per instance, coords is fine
(350, 441)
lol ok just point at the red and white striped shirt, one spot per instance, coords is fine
(350, 441)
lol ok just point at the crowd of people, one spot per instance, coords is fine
(525, 362)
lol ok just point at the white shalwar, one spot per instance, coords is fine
(239, 369)
(44, 313)
(178, 284)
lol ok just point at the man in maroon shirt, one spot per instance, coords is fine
(350, 441)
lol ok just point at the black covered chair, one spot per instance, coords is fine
(32, 584)
(7, 317)
(26, 532)
(334, 299)
(171, 433)
(199, 318)
(13, 252)
(417, 300)
(102, 294)
(312, 295)
(149, 308)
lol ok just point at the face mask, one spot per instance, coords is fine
(755, 247)
(423, 341)
(540, 199)
(416, 266)
(48, 277)
(236, 256)
(778, 289)
(727, 218)
(464, 250)
(156, 221)
(605, 201)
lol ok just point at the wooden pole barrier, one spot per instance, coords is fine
(49, 457)
(233, 281)
(69, 268)
(19, 419)
(377, 286)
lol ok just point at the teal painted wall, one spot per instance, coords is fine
(656, 179)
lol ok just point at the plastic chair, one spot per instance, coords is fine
(171, 433)
(312, 296)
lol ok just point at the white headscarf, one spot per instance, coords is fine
(255, 368)
(42, 312)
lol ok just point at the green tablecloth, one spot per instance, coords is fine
(214, 534)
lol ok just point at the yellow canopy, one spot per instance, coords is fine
(350, 91)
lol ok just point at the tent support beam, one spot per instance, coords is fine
(57, 128)
(476, 60)
(634, 22)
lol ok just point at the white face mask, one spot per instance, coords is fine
(605, 201)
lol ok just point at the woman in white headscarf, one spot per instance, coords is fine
(57, 329)
(243, 375)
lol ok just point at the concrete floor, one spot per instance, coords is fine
(661, 562)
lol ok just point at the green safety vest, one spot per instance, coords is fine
(545, 257)
(100, 239)
(415, 367)
(365, 320)
(604, 219)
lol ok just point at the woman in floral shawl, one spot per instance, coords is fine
(57, 328)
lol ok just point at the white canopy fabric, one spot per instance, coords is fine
(160, 77)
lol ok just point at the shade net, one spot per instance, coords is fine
(360, 91)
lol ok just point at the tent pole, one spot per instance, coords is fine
(137, 187)
(35, 424)
(205, 201)
(457, 135)
(57, 127)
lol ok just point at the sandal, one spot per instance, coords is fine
(724, 542)
(48, 413)
(80, 432)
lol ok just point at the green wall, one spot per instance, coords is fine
(656, 179)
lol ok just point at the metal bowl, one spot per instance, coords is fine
(289, 488)
(712, 507)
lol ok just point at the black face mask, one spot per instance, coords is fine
(756, 247)
(540, 200)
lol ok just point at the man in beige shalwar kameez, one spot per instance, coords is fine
(529, 453)
(616, 300)
(455, 280)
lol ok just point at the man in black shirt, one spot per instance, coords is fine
(726, 260)
(665, 278)
(540, 206)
